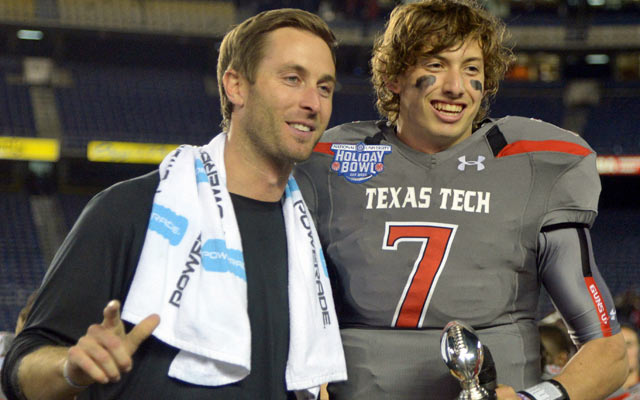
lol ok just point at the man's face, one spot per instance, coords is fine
(289, 105)
(440, 97)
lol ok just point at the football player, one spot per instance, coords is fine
(437, 213)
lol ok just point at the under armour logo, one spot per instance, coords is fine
(463, 163)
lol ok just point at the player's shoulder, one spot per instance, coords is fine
(515, 128)
(351, 132)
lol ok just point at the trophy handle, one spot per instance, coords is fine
(488, 376)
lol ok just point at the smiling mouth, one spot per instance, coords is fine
(301, 127)
(447, 108)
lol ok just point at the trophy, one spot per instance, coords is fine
(463, 354)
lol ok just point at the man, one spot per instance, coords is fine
(206, 254)
(630, 389)
(438, 214)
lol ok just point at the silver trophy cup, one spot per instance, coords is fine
(462, 352)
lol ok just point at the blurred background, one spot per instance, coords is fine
(96, 91)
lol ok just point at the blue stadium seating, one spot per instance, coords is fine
(616, 237)
(16, 112)
(21, 260)
(353, 101)
(530, 99)
(136, 104)
(612, 127)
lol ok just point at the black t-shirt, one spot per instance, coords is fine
(96, 263)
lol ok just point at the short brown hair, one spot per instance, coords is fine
(419, 29)
(242, 47)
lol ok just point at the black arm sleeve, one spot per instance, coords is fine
(569, 273)
(95, 263)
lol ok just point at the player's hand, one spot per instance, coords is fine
(105, 351)
(504, 392)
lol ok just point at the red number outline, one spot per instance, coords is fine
(436, 241)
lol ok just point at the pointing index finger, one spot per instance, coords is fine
(142, 331)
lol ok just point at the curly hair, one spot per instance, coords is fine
(420, 29)
(242, 48)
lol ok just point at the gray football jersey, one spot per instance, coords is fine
(415, 240)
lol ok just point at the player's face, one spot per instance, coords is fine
(289, 105)
(440, 97)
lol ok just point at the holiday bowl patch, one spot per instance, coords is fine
(358, 162)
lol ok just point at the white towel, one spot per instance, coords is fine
(191, 273)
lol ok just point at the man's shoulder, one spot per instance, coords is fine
(351, 132)
(140, 185)
(517, 129)
(129, 196)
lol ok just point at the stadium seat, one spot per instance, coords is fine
(20, 257)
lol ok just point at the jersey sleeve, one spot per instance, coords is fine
(573, 198)
(569, 273)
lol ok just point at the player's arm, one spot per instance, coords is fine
(597, 370)
(571, 277)
(100, 356)
(568, 272)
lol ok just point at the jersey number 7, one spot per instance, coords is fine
(436, 241)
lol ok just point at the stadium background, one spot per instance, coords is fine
(96, 91)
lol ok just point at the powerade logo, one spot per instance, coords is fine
(168, 224)
(305, 220)
(216, 257)
(358, 162)
(193, 261)
(292, 186)
(171, 162)
(206, 171)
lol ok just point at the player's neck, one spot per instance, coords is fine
(419, 139)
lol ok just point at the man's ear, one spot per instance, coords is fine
(233, 83)
(393, 85)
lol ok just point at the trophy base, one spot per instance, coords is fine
(476, 393)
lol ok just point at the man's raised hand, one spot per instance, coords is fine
(105, 351)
